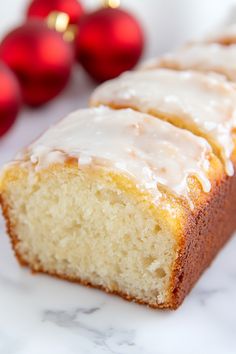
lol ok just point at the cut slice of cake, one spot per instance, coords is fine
(121, 201)
(202, 103)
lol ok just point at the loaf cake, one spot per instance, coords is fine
(121, 201)
(201, 57)
(137, 194)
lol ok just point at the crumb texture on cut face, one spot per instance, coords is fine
(81, 226)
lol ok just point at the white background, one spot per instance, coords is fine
(166, 22)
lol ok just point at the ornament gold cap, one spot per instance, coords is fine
(60, 22)
(111, 3)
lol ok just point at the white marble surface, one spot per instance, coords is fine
(42, 315)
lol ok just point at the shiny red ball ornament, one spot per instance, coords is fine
(42, 8)
(10, 98)
(109, 41)
(41, 60)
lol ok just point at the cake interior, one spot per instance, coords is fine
(82, 225)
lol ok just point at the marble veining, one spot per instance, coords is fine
(101, 338)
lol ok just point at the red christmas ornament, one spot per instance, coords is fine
(10, 98)
(109, 41)
(40, 58)
(42, 8)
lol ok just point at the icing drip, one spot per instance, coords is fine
(149, 150)
(206, 101)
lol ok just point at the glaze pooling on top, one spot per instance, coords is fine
(207, 101)
(149, 150)
(202, 57)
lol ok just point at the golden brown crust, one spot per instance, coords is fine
(205, 233)
(11, 231)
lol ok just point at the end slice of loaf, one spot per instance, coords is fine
(120, 201)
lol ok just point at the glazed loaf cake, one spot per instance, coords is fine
(137, 194)
(122, 201)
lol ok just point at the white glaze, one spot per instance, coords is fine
(150, 150)
(207, 100)
(202, 57)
